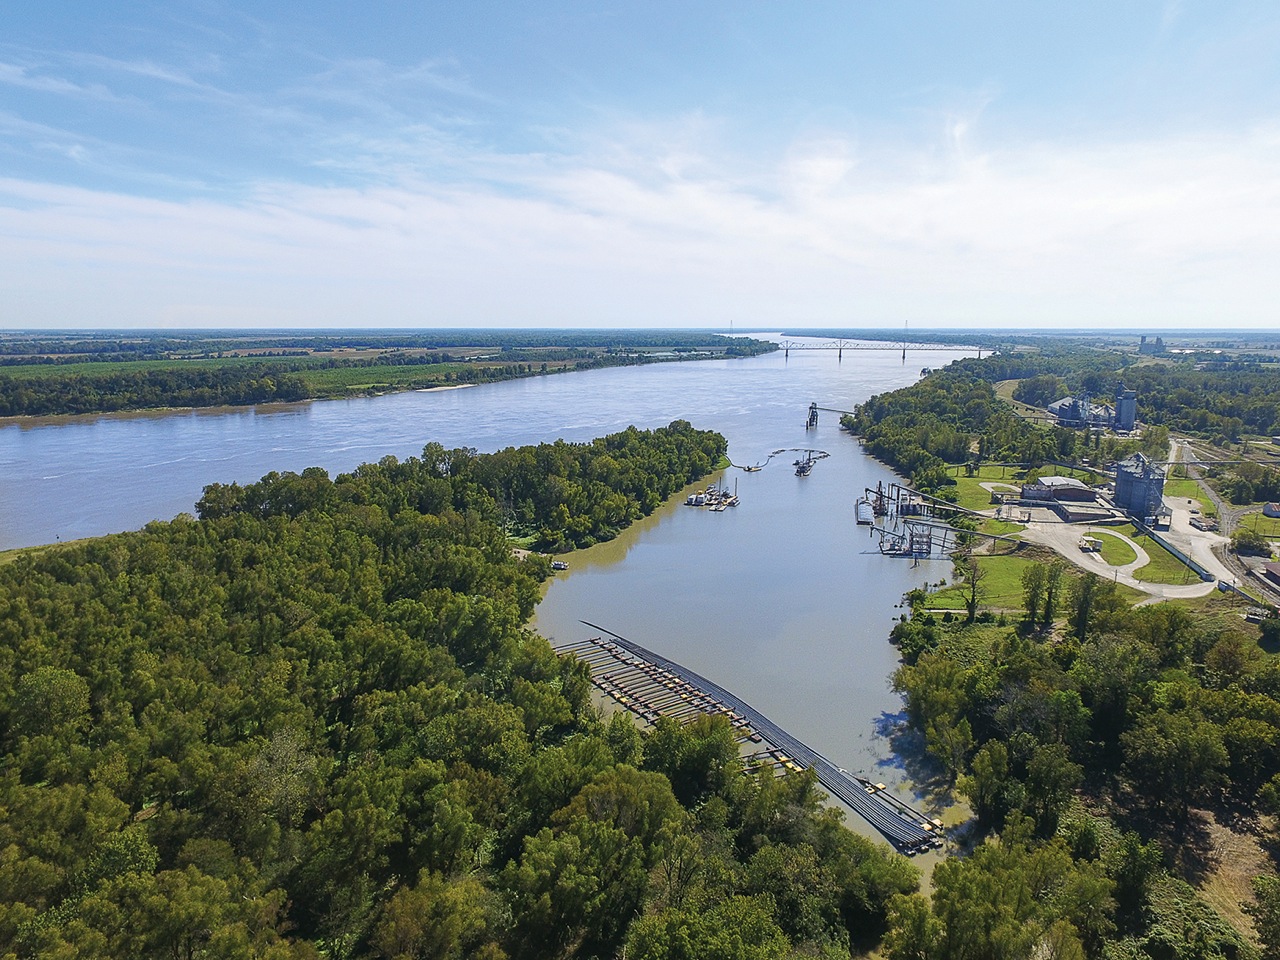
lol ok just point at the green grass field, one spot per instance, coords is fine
(1183, 487)
(969, 491)
(1002, 528)
(1002, 588)
(1267, 526)
(1164, 566)
(359, 379)
(1114, 550)
(28, 371)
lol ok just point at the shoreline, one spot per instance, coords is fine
(269, 406)
(954, 812)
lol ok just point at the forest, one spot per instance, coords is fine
(312, 722)
(1098, 743)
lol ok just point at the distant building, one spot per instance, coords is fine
(1139, 487)
(1081, 412)
(1271, 509)
(1058, 488)
(1126, 408)
(1146, 346)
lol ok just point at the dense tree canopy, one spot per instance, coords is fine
(313, 723)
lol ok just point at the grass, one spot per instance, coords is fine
(1164, 566)
(1002, 588)
(1267, 526)
(1186, 487)
(969, 491)
(1114, 550)
(8, 556)
(1002, 528)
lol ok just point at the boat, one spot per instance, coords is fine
(865, 512)
(559, 565)
(696, 500)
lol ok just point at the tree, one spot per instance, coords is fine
(914, 932)
(1132, 864)
(1051, 779)
(1033, 588)
(1052, 584)
(1265, 911)
(1080, 598)
(989, 784)
(434, 920)
(974, 575)
(1174, 758)
(741, 928)
(583, 884)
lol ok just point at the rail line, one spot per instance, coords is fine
(678, 692)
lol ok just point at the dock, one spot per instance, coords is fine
(652, 686)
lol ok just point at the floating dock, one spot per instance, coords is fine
(651, 686)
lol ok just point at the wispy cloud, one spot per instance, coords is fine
(30, 78)
(1178, 231)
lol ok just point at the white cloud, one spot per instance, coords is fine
(1175, 232)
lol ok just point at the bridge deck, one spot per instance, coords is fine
(908, 830)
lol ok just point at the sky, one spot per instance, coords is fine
(566, 163)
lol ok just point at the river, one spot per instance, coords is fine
(783, 599)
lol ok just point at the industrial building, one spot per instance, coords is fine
(1081, 412)
(1139, 487)
(1126, 408)
(1059, 489)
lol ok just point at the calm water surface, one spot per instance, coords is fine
(784, 599)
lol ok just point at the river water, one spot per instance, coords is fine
(783, 599)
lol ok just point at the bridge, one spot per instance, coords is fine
(652, 686)
(840, 345)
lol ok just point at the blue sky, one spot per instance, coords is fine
(1003, 164)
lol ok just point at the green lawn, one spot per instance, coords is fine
(1114, 550)
(8, 556)
(1002, 587)
(1267, 526)
(1002, 528)
(1164, 566)
(969, 492)
(1184, 487)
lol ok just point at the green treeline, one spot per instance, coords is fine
(141, 389)
(144, 344)
(564, 494)
(1221, 401)
(200, 376)
(1152, 711)
(951, 416)
(314, 723)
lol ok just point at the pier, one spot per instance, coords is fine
(651, 686)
